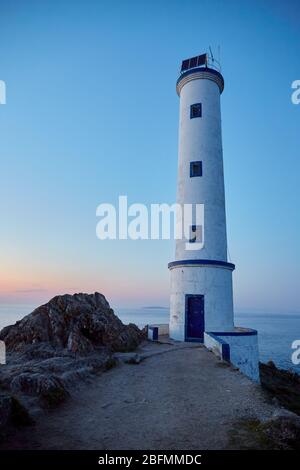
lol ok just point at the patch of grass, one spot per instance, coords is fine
(252, 434)
(249, 434)
(257, 429)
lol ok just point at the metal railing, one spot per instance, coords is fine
(213, 63)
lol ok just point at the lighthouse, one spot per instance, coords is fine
(201, 279)
(201, 297)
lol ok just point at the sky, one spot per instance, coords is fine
(92, 114)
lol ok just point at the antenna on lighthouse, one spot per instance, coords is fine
(211, 54)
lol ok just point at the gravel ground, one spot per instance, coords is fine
(178, 397)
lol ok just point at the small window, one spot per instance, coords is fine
(196, 110)
(196, 233)
(195, 169)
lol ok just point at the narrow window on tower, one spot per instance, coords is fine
(196, 110)
(196, 233)
(195, 169)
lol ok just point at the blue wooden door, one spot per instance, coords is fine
(194, 320)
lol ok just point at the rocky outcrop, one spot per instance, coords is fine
(282, 385)
(66, 340)
(79, 323)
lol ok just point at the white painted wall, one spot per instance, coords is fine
(201, 139)
(243, 351)
(214, 345)
(215, 283)
(244, 354)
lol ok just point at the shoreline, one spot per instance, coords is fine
(281, 356)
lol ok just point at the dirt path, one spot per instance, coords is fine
(184, 399)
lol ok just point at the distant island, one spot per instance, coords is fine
(155, 307)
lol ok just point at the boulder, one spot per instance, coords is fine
(79, 323)
(49, 388)
(66, 340)
(284, 430)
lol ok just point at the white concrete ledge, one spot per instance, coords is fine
(239, 347)
(218, 346)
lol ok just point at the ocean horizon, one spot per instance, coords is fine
(276, 332)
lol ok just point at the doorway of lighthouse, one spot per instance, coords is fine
(194, 318)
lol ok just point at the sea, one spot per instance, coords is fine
(276, 332)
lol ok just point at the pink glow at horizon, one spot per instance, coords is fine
(121, 292)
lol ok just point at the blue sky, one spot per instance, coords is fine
(92, 113)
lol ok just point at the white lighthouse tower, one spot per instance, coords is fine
(201, 300)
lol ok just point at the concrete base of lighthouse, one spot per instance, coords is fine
(212, 282)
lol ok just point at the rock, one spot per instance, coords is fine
(284, 430)
(49, 388)
(66, 340)
(60, 343)
(283, 385)
(48, 380)
(12, 412)
(283, 414)
(79, 323)
(134, 359)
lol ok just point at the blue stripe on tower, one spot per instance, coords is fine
(201, 262)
